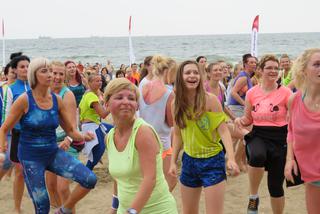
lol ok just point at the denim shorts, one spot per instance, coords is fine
(202, 172)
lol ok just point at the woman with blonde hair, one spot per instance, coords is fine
(134, 151)
(92, 111)
(303, 140)
(40, 112)
(58, 187)
(155, 109)
(199, 123)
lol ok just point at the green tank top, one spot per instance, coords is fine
(200, 137)
(124, 167)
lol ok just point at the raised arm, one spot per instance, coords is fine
(67, 126)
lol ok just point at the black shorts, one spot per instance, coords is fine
(14, 145)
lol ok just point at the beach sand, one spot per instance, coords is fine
(98, 201)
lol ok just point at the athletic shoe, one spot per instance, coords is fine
(253, 206)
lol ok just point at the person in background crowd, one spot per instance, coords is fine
(202, 61)
(74, 81)
(80, 67)
(120, 74)
(19, 64)
(58, 187)
(130, 77)
(91, 112)
(135, 72)
(303, 140)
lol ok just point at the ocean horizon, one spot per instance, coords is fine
(229, 47)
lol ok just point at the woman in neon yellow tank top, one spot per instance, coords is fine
(134, 152)
(199, 122)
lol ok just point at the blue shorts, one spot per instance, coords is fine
(198, 172)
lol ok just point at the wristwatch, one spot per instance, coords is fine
(132, 211)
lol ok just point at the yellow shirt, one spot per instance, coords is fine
(200, 137)
(86, 111)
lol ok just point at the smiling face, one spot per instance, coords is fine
(216, 72)
(270, 71)
(123, 104)
(312, 70)
(191, 76)
(95, 82)
(59, 76)
(285, 63)
(71, 69)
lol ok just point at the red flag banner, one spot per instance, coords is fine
(254, 36)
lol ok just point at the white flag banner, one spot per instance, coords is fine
(132, 58)
(254, 37)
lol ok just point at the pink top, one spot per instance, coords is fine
(303, 133)
(268, 109)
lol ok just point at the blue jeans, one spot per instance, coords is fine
(61, 164)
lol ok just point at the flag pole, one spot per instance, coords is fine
(3, 46)
(254, 36)
(131, 53)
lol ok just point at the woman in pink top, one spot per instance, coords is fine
(266, 109)
(304, 127)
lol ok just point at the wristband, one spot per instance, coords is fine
(69, 138)
(132, 211)
(115, 202)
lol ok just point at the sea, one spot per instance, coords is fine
(229, 47)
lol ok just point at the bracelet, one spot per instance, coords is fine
(115, 202)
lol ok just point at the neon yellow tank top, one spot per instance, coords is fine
(124, 167)
(201, 138)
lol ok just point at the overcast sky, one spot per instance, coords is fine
(85, 18)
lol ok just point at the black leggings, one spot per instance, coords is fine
(266, 147)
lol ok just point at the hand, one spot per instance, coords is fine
(173, 170)
(88, 136)
(290, 165)
(233, 168)
(112, 211)
(237, 123)
(65, 144)
(3, 148)
(2, 158)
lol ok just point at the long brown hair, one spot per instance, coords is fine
(181, 105)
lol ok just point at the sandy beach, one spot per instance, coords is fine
(98, 201)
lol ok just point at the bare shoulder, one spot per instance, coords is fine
(146, 138)
(213, 104)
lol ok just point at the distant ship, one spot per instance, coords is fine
(44, 37)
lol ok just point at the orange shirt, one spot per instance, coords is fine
(136, 75)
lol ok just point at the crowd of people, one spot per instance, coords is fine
(254, 116)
